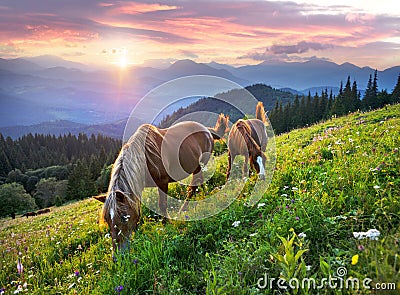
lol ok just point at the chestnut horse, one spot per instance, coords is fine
(240, 142)
(153, 157)
(249, 138)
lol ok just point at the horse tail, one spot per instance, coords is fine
(260, 112)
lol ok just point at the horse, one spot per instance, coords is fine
(27, 214)
(152, 157)
(43, 211)
(257, 126)
(241, 142)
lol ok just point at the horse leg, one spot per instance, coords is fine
(231, 158)
(194, 184)
(245, 166)
(162, 200)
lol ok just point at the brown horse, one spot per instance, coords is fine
(27, 214)
(257, 126)
(241, 142)
(153, 157)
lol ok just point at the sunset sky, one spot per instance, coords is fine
(236, 32)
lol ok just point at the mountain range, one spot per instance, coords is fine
(47, 88)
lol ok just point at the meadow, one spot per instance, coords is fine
(331, 180)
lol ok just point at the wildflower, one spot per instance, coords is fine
(295, 188)
(372, 234)
(119, 289)
(240, 273)
(308, 267)
(293, 200)
(395, 150)
(2, 291)
(253, 234)
(107, 236)
(354, 259)
(20, 267)
(260, 205)
(70, 286)
(77, 273)
(79, 247)
(186, 216)
(236, 223)
(377, 187)
(302, 235)
(297, 218)
(284, 195)
(260, 215)
(19, 289)
(135, 261)
(361, 247)
(287, 206)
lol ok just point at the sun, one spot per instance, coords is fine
(123, 62)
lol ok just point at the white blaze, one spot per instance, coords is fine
(112, 214)
(259, 161)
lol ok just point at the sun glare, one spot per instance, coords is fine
(123, 62)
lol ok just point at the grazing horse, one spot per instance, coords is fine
(241, 142)
(27, 214)
(257, 126)
(153, 157)
(43, 211)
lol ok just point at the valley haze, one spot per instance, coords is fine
(48, 94)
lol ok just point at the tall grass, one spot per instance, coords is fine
(331, 179)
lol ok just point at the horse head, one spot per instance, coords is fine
(122, 216)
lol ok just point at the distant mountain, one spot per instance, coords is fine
(48, 88)
(60, 127)
(188, 67)
(223, 103)
(313, 73)
(51, 61)
(19, 65)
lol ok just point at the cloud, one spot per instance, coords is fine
(283, 52)
(189, 54)
(10, 50)
(300, 47)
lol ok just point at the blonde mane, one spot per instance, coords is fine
(260, 112)
(128, 175)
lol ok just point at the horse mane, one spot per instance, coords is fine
(221, 126)
(245, 130)
(260, 112)
(129, 170)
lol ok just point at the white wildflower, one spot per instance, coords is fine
(260, 205)
(236, 223)
(302, 235)
(308, 267)
(295, 188)
(372, 234)
(377, 187)
(253, 234)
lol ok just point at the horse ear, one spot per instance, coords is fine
(101, 198)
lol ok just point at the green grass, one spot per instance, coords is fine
(331, 180)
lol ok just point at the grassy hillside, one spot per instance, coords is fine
(331, 179)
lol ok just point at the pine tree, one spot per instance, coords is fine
(395, 95)
(370, 100)
(80, 183)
